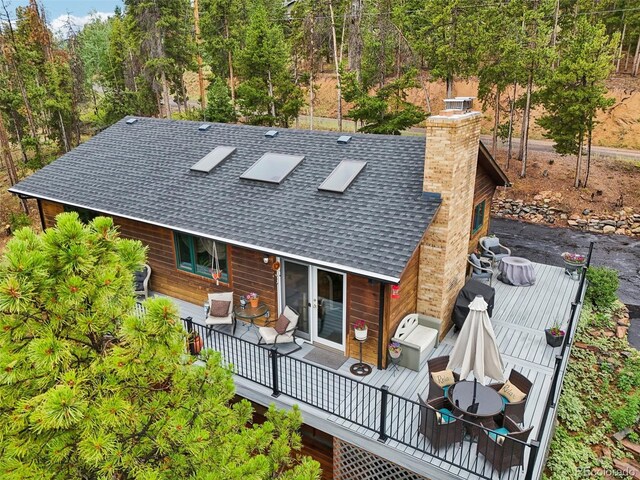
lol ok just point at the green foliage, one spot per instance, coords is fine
(602, 288)
(219, 107)
(267, 94)
(18, 220)
(568, 456)
(629, 376)
(385, 112)
(90, 390)
(626, 416)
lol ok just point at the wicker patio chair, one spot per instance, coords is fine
(438, 422)
(270, 336)
(515, 410)
(492, 248)
(501, 448)
(438, 364)
(141, 281)
(480, 268)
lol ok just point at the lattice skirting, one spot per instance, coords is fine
(354, 463)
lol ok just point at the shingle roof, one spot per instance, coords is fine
(142, 171)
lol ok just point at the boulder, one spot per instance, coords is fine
(586, 211)
(608, 229)
(572, 223)
(621, 331)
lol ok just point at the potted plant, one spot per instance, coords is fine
(573, 263)
(253, 299)
(554, 335)
(395, 350)
(360, 329)
(195, 343)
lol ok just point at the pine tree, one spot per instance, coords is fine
(219, 106)
(267, 94)
(89, 390)
(575, 92)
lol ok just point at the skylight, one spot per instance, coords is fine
(342, 176)
(212, 159)
(272, 167)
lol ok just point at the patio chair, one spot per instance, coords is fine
(480, 268)
(502, 447)
(439, 424)
(493, 249)
(269, 334)
(515, 410)
(141, 281)
(438, 364)
(229, 318)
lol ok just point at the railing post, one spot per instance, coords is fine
(383, 413)
(534, 446)
(273, 353)
(554, 384)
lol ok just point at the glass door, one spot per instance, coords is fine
(329, 308)
(296, 294)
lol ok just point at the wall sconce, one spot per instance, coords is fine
(265, 259)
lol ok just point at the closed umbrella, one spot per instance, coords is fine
(476, 349)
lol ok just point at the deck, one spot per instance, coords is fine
(519, 318)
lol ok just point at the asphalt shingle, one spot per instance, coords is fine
(142, 171)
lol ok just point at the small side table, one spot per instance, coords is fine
(360, 369)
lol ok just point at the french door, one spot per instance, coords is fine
(319, 296)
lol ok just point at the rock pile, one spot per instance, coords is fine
(543, 210)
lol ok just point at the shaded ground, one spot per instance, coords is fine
(545, 245)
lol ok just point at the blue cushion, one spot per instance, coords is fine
(493, 434)
(446, 389)
(447, 416)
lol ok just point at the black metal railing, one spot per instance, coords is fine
(387, 416)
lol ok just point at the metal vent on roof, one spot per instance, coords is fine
(272, 167)
(212, 159)
(204, 127)
(271, 133)
(342, 176)
(131, 121)
(344, 139)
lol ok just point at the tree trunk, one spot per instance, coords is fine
(232, 80)
(272, 104)
(165, 94)
(5, 150)
(636, 59)
(63, 133)
(624, 30)
(589, 137)
(449, 83)
(524, 136)
(355, 39)
(576, 180)
(496, 124)
(627, 57)
(196, 20)
(337, 65)
(512, 110)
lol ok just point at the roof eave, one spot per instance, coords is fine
(357, 271)
(493, 169)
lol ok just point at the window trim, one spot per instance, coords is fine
(193, 269)
(475, 217)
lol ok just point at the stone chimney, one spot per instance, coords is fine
(449, 170)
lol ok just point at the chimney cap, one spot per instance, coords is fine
(462, 104)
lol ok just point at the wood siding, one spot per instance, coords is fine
(396, 309)
(247, 270)
(363, 303)
(483, 190)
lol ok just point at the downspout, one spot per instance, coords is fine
(41, 213)
(380, 326)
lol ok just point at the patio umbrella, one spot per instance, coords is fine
(476, 349)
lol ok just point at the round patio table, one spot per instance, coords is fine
(517, 271)
(487, 402)
(250, 314)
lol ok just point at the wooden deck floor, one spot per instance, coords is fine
(519, 318)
